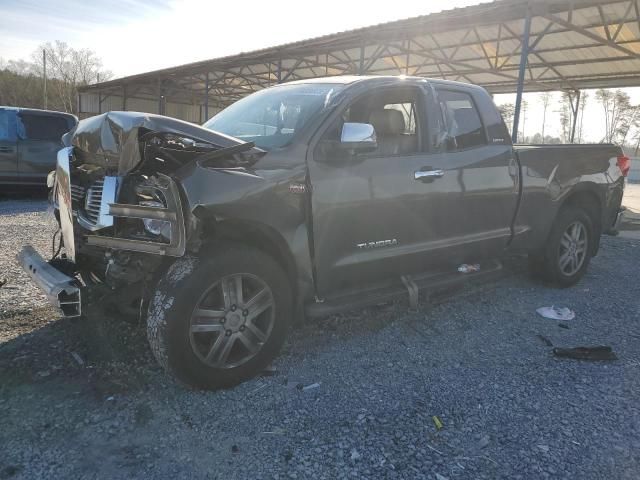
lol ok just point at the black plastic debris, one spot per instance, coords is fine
(545, 340)
(586, 353)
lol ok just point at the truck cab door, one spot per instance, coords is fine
(39, 139)
(8, 147)
(478, 163)
(375, 217)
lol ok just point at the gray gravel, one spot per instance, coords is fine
(22, 220)
(478, 361)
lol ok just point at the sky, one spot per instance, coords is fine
(135, 36)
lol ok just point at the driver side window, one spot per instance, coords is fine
(393, 113)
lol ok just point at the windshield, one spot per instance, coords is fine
(271, 118)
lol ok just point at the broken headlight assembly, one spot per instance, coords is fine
(158, 228)
(150, 196)
(151, 223)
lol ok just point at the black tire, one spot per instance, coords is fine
(548, 264)
(170, 325)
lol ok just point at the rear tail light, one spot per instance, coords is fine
(624, 164)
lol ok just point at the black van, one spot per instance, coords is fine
(29, 142)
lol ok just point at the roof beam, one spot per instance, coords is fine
(592, 36)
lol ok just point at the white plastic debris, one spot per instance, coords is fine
(310, 387)
(556, 313)
(466, 268)
(77, 358)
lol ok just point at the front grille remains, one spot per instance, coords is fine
(93, 202)
(77, 193)
(93, 207)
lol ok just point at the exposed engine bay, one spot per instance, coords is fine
(127, 210)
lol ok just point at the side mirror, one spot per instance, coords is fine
(358, 137)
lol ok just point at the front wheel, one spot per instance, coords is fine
(216, 321)
(568, 249)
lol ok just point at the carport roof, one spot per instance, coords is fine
(573, 44)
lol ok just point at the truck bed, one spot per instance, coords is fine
(548, 174)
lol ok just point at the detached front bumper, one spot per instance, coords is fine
(61, 290)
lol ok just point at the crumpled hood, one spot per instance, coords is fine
(112, 140)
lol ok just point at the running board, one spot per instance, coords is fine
(407, 285)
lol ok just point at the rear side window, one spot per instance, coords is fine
(4, 126)
(462, 119)
(43, 127)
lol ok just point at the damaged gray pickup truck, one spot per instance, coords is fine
(310, 198)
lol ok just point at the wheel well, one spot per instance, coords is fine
(258, 237)
(590, 203)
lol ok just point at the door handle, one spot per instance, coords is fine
(6, 149)
(428, 174)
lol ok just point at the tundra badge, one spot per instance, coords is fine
(379, 243)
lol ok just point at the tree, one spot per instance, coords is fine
(21, 81)
(71, 68)
(19, 86)
(584, 97)
(523, 118)
(507, 110)
(566, 116)
(545, 98)
(618, 114)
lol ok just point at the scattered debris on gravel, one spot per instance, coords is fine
(354, 395)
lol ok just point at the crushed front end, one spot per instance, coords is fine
(120, 211)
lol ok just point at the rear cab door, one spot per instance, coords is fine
(39, 139)
(480, 174)
(8, 147)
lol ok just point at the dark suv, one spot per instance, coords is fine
(29, 142)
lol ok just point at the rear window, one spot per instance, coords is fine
(463, 120)
(42, 127)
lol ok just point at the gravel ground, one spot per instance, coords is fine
(84, 399)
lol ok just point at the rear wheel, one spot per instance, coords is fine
(216, 321)
(568, 249)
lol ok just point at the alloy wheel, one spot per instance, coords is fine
(232, 320)
(573, 248)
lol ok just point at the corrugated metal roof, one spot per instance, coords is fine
(574, 44)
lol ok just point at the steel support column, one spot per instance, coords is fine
(206, 98)
(524, 57)
(575, 115)
(361, 67)
(160, 105)
(279, 72)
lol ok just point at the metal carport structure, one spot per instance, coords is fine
(506, 46)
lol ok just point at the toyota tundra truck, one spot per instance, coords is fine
(306, 199)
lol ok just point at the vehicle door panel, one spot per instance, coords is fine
(369, 217)
(488, 182)
(8, 148)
